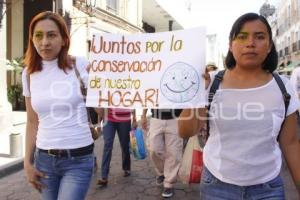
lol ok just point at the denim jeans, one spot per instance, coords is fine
(212, 188)
(68, 177)
(109, 131)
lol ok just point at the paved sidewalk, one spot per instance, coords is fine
(9, 163)
(139, 186)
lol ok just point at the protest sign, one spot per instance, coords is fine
(151, 70)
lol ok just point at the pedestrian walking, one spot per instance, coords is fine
(295, 81)
(59, 157)
(250, 126)
(165, 146)
(116, 120)
(211, 66)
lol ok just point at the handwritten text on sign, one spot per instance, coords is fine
(157, 70)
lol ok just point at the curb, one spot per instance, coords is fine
(12, 167)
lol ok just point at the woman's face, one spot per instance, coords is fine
(47, 39)
(251, 45)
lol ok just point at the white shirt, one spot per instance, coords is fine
(58, 102)
(242, 148)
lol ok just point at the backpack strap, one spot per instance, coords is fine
(215, 85)
(286, 96)
(219, 77)
(213, 89)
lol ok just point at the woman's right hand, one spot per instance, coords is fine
(33, 176)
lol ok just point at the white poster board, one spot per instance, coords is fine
(151, 70)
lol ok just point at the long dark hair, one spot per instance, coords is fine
(271, 61)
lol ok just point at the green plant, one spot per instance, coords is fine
(14, 91)
(14, 95)
(16, 66)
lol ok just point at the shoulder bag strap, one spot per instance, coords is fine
(82, 89)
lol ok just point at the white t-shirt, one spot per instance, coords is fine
(58, 102)
(242, 148)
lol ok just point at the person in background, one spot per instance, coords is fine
(250, 129)
(165, 146)
(211, 66)
(295, 81)
(116, 120)
(59, 157)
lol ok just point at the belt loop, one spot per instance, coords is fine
(49, 152)
(36, 151)
(69, 153)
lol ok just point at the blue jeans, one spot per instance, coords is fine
(109, 131)
(68, 177)
(212, 188)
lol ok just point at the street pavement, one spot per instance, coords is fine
(139, 186)
(12, 146)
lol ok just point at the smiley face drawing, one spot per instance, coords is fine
(179, 83)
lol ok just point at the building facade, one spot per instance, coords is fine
(100, 16)
(5, 106)
(84, 18)
(285, 24)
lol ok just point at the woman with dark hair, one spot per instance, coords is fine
(59, 157)
(271, 60)
(242, 156)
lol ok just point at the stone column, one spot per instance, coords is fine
(5, 106)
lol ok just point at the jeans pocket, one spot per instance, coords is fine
(42, 161)
(275, 183)
(40, 157)
(207, 177)
(85, 158)
(87, 161)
